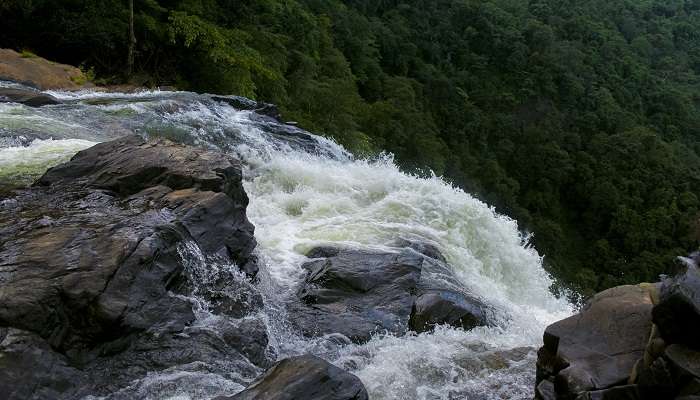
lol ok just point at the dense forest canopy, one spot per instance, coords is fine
(580, 119)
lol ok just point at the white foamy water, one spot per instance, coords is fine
(23, 164)
(302, 197)
(298, 202)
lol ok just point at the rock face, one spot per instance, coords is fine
(628, 342)
(38, 72)
(26, 97)
(93, 258)
(678, 313)
(598, 347)
(304, 378)
(360, 292)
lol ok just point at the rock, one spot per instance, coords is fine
(655, 381)
(442, 299)
(690, 388)
(124, 361)
(40, 73)
(243, 103)
(30, 369)
(480, 359)
(625, 392)
(683, 364)
(204, 188)
(597, 348)
(545, 391)
(304, 377)
(93, 270)
(677, 314)
(27, 97)
(358, 292)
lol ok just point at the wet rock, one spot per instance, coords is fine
(123, 361)
(426, 249)
(30, 369)
(203, 189)
(442, 299)
(29, 98)
(290, 136)
(545, 391)
(677, 314)
(304, 378)
(624, 392)
(655, 381)
(691, 387)
(242, 103)
(358, 292)
(93, 265)
(683, 363)
(597, 348)
(480, 359)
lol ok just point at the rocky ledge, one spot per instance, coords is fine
(107, 260)
(94, 291)
(628, 342)
(359, 292)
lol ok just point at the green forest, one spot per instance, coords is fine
(579, 119)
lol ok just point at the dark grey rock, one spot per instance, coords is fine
(677, 314)
(656, 381)
(30, 369)
(242, 103)
(304, 378)
(358, 292)
(442, 299)
(92, 264)
(116, 366)
(597, 348)
(624, 392)
(27, 97)
(545, 391)
(683, 362)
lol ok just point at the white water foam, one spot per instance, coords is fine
(299, 200)
(20, 165)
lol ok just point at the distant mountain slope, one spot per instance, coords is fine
(579, 119)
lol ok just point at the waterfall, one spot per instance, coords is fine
(306, 190)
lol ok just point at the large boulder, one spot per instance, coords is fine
(27, 97)
(95, 273)
(357, 292)
(304, 377)
(597, 348)
(677, 313)
(32, 70)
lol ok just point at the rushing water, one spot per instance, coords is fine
(302, 196)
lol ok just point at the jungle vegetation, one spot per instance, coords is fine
(579, 119)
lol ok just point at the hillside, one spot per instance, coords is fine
(581, 121)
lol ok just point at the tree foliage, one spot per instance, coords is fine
(580, 119)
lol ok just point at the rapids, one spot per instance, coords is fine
(306, 190)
